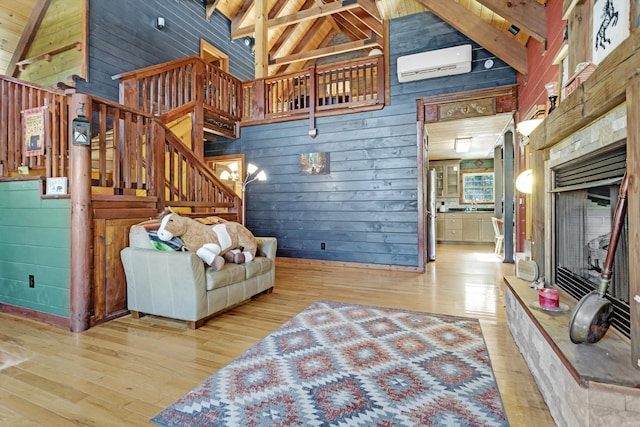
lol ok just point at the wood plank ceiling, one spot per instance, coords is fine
(301, 31)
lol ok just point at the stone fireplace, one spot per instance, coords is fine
(586, 384)
(583, 176)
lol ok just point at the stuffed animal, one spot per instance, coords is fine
(214, 244)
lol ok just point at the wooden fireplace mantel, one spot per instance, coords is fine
(615, 81)
(582, 384)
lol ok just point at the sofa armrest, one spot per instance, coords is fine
(165, 283)
(267, 246)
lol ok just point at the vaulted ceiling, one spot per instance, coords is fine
(300, 31)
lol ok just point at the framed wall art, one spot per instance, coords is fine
(314, 164)
(610, 26)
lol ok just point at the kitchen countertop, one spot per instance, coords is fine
(464, 210)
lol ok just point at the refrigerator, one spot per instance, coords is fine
(431, 215)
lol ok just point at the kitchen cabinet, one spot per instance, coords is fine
(440, 227)
(465, 227)
(447, 178)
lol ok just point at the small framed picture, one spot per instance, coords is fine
(57, 185)
(314, 164)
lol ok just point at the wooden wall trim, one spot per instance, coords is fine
(368, 266)
(51, 319)
(633, 211)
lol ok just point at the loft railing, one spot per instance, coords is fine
(175, 88)
(355, 85)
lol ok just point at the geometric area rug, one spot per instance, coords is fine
(338, 364)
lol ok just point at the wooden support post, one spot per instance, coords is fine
(261, 39)
(81, 217)
(508, 158)
(313, 94)
(197, 120)
(633, 212)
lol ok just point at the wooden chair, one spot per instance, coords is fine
(498, 236)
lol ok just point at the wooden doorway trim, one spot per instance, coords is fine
(503, 98)
(211, 54)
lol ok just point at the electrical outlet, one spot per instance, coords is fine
(32, 281)
(322, 246)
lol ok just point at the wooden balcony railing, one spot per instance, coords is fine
(355, 85)
(184, 86)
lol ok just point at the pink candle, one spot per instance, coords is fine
(548, 298)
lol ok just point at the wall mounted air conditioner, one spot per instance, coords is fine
(435, 63)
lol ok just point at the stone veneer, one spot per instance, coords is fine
(573, 397)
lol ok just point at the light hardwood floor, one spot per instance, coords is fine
(122, 373)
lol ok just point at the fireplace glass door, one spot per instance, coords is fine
(585, 200)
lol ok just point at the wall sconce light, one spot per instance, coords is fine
(552, 92)
(525, 127)
(252, 175)
(81, 128)
(374, 52)
(462, 145)
(160, 23)
(524, 182)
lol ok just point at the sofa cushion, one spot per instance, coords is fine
(229, 274)
(258, 266)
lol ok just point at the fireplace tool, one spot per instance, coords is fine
(592, 317)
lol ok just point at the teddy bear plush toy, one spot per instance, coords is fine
(214, 244)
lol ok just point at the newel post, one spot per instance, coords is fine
(81, 217)
(157, 173)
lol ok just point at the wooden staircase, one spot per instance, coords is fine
(133, 168)
(146, 152)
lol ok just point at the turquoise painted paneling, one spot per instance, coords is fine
(34, 240)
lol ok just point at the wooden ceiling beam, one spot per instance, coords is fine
(326, 51)
(304, 44)
(277, 8)
(528, 15)
(274, 48)
(329, 18)
(367, 20)
(350, 29)
(28, 34)
(324, 43)
(211, 8)
(303, 15)
(487, 36)
(370, 7)
(242, 14)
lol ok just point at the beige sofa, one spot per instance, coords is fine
(180, 286)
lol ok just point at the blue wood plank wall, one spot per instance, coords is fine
(123, 37)
(34, 240)
(365, 210)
